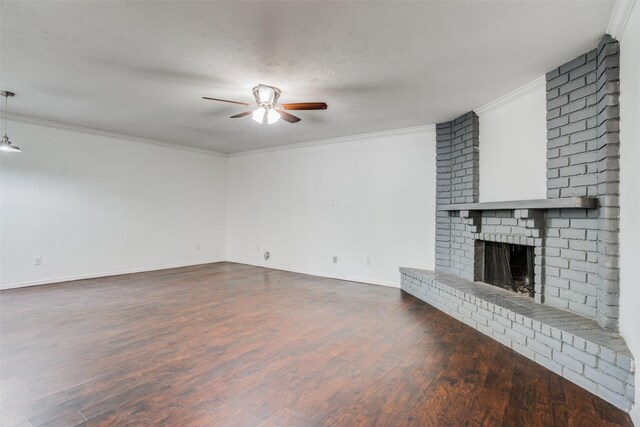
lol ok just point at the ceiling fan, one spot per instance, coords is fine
(266, 109)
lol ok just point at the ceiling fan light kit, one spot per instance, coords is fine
(265, 113)
(266, 108)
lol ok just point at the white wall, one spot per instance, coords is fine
(513, 145)
(369, 197)
(92, 205)
(630, 192)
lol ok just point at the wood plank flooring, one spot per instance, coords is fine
(233, 345)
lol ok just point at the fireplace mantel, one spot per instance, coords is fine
(560, 203)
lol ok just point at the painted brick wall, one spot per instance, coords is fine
(608, 108)
(581, 260)
(443, 196)
(571, 279)
(572, 146)
(457, 181)
(571, 260)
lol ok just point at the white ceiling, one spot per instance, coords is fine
(140, 68)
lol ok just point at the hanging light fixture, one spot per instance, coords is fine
(5, 143)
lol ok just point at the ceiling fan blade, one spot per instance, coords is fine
(288, 117)
(304, 106)
(225, 100)
(246, 113)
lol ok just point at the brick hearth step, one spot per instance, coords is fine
(572, 346)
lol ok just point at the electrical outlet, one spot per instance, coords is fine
(38, 261)
(369, 261)
(267, 255)
(198, 247)
(335, 259)
(258, 248)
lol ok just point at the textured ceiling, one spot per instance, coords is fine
(140, 68)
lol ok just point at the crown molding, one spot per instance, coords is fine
(92, 131)
(540, 81)
(108, 134)
(619, 17)
(336, 140)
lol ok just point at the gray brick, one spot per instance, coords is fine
(581, 355)
(630, 392)
(557, 102)
(583, 91)
(516, 337)
(524, 330)
(572, 65)
(557, 262)
(560, 162)
(522, 349)
(584, 135)
(573, 128)
(573, 296)
(556, 302)
(560, 121)
(558, 81)
(573, 170)
(558, 243)
(572, 233)
(554, 343)
(588, 267)
(576, 105)
(552, 74)
(573, 148)
(615, 371)
(568, 361)
(615, 399)
(608, 381)
(582, 180)
(588, 157)
(539, 348)
(573, 254)
(625, 362)
(558, 183)
(548, 363)
(582, 70)
(557, 282)
(579, 380)
(580, 113)
(574, 275)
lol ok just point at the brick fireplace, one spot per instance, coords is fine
(570, 324)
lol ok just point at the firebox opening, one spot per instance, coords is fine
(509, 266)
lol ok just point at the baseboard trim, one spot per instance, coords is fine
(51, 281)
(347, 278)
(54, 280)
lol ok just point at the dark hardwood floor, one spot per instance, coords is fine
(229, 344)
